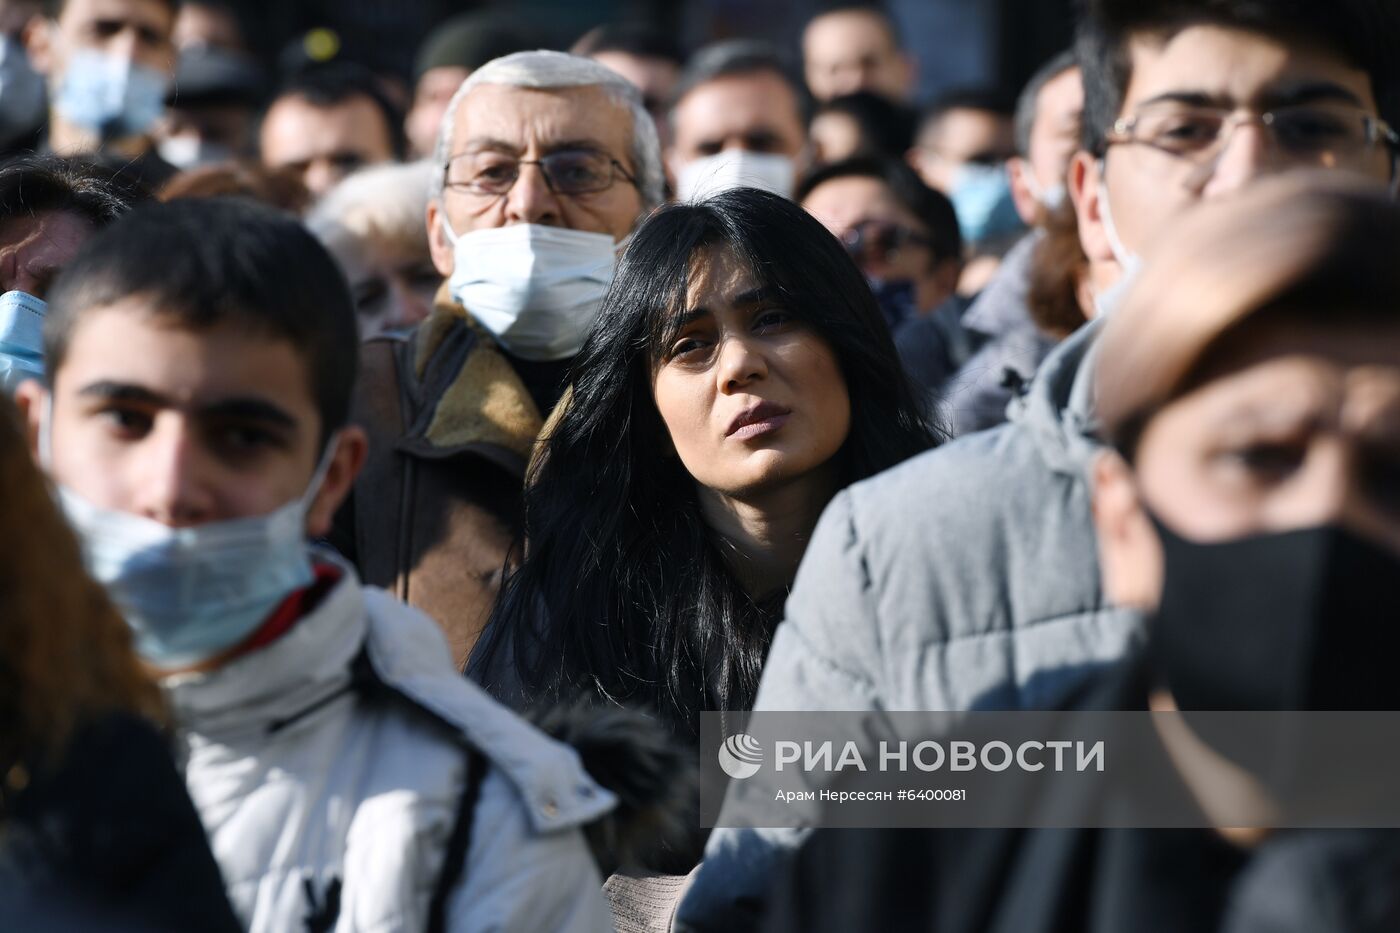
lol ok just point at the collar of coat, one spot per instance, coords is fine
(469, 400)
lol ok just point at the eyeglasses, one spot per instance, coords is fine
(880, 240)
(1324, 134)
(568, 171)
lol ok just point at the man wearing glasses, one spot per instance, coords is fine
(904, 236)
(967, 578)
(544, 163)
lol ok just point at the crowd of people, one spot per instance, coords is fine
(394, 473)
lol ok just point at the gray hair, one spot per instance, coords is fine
(1028, 104)
(384, 201)
(544, 70)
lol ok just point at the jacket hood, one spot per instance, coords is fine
(1057, 409)
(312, 664)
(1001, 307)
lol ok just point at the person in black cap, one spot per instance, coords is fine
(452, 52)
(212, 109)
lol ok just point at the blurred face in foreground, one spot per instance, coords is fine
(1289, 427)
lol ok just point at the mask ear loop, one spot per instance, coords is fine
(1121, 253)
(46, 432)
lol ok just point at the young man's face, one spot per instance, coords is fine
(1245, 72)
(137, 30)
(186, 427)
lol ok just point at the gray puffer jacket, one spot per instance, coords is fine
(966, 578)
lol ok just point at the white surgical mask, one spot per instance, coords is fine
(21, 338)
(735, 168)
(1129, 262)
(536, 288)
(190, 594)
(187, 152)
(1050, 198)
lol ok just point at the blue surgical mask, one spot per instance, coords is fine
(190, 594)
(21, 338)
(22, 98)
(896, 299)
(984, 203)
(109, 95)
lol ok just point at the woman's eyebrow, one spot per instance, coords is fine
(752, 296)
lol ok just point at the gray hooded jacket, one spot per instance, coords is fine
(966, 578)
(976, 396)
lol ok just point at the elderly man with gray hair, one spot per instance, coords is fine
(544, 163)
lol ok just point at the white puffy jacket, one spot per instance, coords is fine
(330, 765)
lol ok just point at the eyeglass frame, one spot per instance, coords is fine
(463, 187)
(1378, 130)
(907, 235)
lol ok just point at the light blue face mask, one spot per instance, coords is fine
(21, 338)
(190, 594)
(109, 95)
(984, 204)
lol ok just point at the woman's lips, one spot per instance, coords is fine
(758, 420)
(760, 428)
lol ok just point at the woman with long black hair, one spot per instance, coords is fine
(738, 376)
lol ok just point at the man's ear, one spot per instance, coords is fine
(1130, 553)
(1085, 186)
(351, 449)
(1027, 204)
(439, 247)
(29, 399)
(38, 38)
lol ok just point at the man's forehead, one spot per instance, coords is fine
(1235, 65)
(132, 343)
(738, 103)
(542, 116)
(155, 14)
(843, 28)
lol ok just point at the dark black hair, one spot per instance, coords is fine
(335, 83)
(741, 57)
(886, 127)
(624, 593)
(33, 185)
(207, 261)
(932, 207)
(1365, 33)
(640, 39)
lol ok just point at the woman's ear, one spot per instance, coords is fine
(1130, 553)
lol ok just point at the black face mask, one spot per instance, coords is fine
(1302, 620)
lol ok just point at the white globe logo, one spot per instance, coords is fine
(741, 756)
